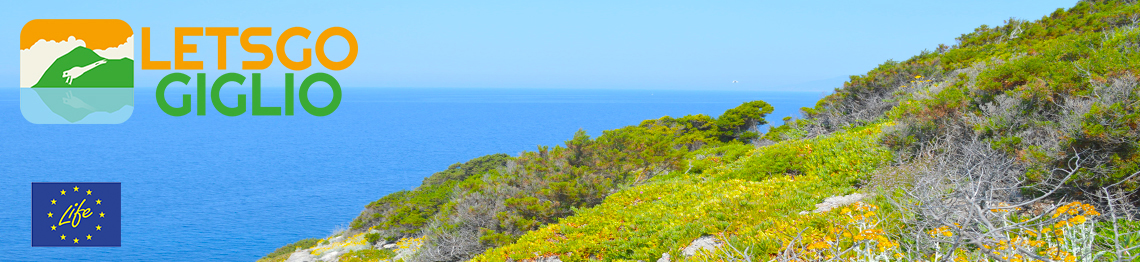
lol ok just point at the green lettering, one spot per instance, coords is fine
(288, 94)
(304, 93)
(257, 109)
(161, 96)
(216, 91)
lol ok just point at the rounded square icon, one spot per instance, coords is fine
(77, 71)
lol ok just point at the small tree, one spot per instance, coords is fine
(743, 121)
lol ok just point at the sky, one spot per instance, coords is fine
(689, 45)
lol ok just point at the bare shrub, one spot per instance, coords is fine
(866, 101)
(1122, 90)
(1120, 238)
(458, 238)
(975, 193)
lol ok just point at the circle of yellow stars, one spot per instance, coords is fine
(75, 240)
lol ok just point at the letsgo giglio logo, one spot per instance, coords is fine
(77, 71)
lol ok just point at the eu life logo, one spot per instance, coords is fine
(76, 214)
(77, 71)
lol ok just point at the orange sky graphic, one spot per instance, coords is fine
(96, 33)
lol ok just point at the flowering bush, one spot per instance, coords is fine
(856, 237)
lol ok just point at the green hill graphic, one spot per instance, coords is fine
(112, 73)
(97, 84)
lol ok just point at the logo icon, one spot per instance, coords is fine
(76, 214)
(77, 71)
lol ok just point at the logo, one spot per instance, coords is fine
(76, 214)
(77, 71)
(239, 108)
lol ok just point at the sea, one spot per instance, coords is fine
(219, 188)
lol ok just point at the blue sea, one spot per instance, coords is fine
(217, 188)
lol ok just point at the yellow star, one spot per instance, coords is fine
(98, 201)
(88, 237)
(98, 228)
(62, 237)
(76, 240)
(52, 228)
(89, 192)
(76, 189)
(49, 214)
(62, 192)
(100, 214)
(53, 201)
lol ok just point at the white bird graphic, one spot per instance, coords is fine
(75, 72)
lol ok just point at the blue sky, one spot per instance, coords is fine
(697, 45)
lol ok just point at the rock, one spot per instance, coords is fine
(355, 248)
(331, 256)
(405, 253)
(342, 245)
(301, 256)
(1041, 207)
(834, 202)
(548, 259)
(390, 246)
(664, 258)
(707, 243)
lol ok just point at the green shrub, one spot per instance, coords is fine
(367, 255)
(283, 252)
(406, 212)
(643, 221)
(372, 238)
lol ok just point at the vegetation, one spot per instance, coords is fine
(669, 212)
(1018, 143)
(492, 200)
(367, 255)
(282, 253)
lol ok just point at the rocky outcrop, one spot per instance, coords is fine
(334, 247)
(302, 256)
(705, 243)
(834, 202)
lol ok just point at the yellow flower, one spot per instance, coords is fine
(818, 245)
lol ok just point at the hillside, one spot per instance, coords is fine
(1018, 143)
(113, 73)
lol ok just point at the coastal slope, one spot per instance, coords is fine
(1017, 143)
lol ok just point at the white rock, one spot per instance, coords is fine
(390, 246)
(301, 256)
(405, 253)
(708, 243)
(548, 259)
(664, 258)
(836, 201)
(331, 256)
